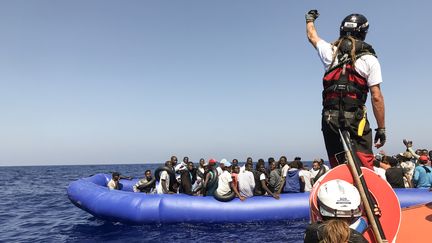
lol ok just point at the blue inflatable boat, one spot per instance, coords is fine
(92, 195)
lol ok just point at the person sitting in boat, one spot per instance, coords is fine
(274, 178)
(338, 200)
(234, 163)
(185, 182)
(307, 176)
(284, 167)
(234, 174)
(114, 183)
(192, 170)
(294, 181)
(225, 182)
(248, 161)
(221, 166)
(264, 182)
(423, 174)
(165, 184)
(394, 174)
(317, 170)
(246, 181)
(258, 190)
(199, 175)
(147, 184)
(211, 178)
(268, 168)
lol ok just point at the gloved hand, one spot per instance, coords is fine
(311, 15)
(380, 136)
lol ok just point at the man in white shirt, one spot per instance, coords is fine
(164, 181)
(114, 183)
(225, 184)
(246, 181)
(351, 71)
(284, 171)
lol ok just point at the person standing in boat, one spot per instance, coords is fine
(165, 182)
(351, 71)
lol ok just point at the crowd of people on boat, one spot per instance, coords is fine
(226, 180)
(408, 169)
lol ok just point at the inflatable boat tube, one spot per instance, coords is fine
(224, 198)
(91, 195)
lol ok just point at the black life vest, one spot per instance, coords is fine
(343, 85)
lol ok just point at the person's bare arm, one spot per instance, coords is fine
(236, 191)
(264, 186)
(377, 99)
(312, 34)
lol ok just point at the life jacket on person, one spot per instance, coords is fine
(343, 85)
(293, 182)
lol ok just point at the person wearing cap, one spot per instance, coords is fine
(352, 70)
(423, 174)
(114, 183)
(211, 182)
(221, 166)
(225, 182)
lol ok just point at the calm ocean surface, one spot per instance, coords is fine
(34, 207)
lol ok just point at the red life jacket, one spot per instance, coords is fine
(344, 88)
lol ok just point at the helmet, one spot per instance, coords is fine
(338, 198)
(355, 25)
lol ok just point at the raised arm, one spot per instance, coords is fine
(311, 32)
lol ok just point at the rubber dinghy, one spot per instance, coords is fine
(126, 206)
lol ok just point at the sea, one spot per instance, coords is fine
(34, 207)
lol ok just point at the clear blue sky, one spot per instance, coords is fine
(85, 82)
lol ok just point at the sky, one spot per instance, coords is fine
(104, 82)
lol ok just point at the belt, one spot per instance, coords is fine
(335, 113)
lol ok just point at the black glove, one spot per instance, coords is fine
(381, 136)
(311, 15)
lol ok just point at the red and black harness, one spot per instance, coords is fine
(344, 88)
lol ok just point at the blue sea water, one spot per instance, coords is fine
(34, 207)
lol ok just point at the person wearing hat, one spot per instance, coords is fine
(423, 173)
(352, 70)
(221, 167)
(330, 195)
(225, 182)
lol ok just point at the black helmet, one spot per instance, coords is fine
(355, 25)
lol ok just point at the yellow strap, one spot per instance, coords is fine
(362, 124)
